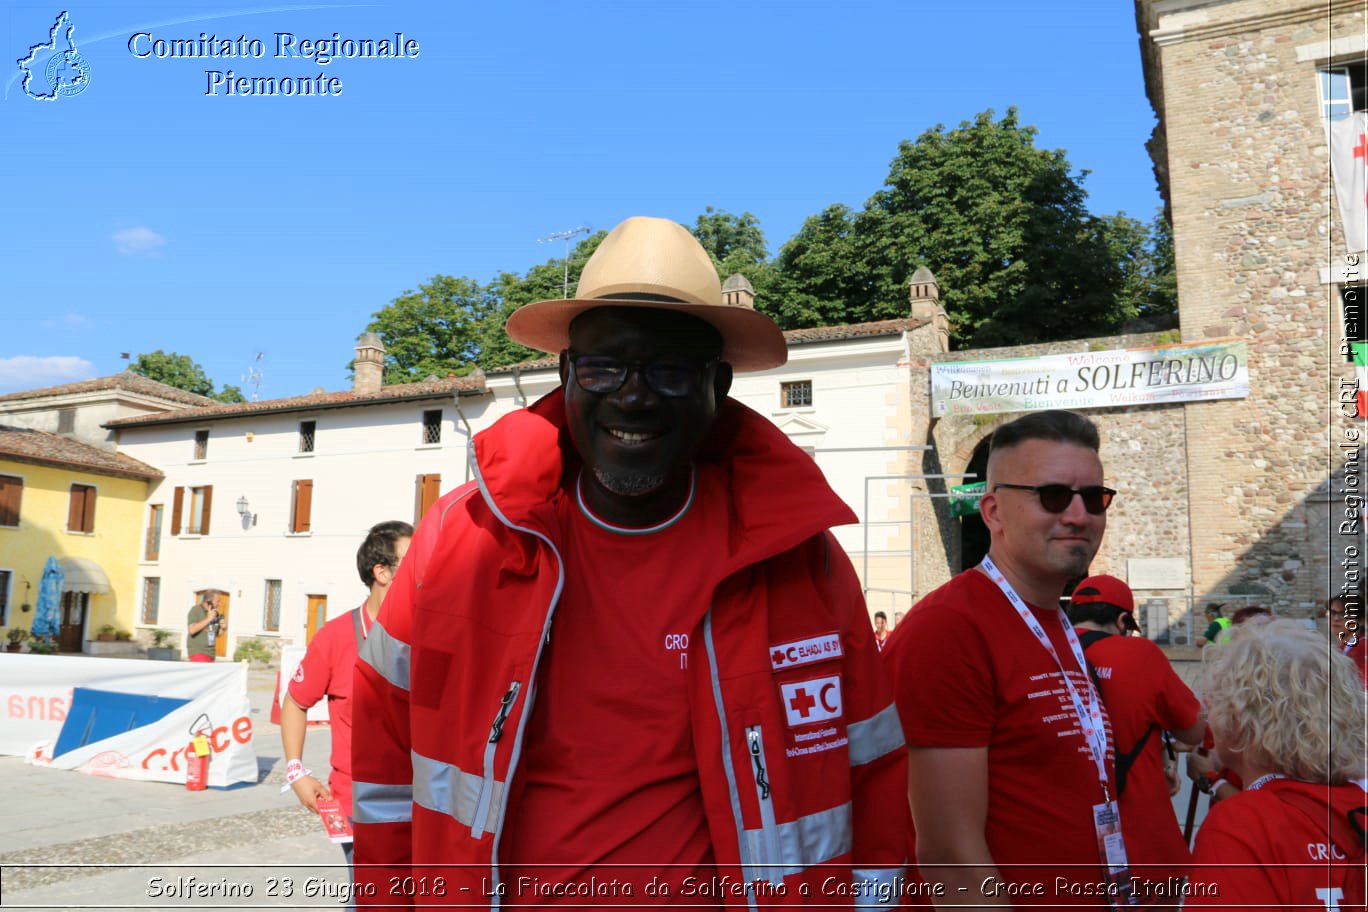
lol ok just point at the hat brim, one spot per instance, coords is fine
(751, 341)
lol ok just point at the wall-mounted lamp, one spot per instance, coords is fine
(245, 510)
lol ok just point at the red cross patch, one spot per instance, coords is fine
(814, 700)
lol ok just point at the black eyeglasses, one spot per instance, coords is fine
(606, 374)
(1056, 497)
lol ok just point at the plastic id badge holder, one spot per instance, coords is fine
(1111, 848)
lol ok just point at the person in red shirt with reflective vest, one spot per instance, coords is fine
(1145, 698)
(1287, 713)
(326, 671)
(628, 663)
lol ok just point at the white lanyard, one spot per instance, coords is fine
(1089, 712)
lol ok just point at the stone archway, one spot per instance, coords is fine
(974, 538)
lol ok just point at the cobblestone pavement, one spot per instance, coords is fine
(71, 841)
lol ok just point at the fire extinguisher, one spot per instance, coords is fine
(197, 765)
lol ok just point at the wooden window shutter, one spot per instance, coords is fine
(427, 489)
(11, 494)
(88, 511)
(75, 509)
(204, 516)
(177, 504)
(303, 505)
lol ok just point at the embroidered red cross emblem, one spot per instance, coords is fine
(777, 657)
(802, 702)
(1361, 150)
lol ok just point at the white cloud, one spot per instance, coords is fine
(70, 321)
(28, 372)
(138, 240)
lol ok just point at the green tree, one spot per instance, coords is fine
(179, 371)
(230, 394)
(433, 331)
(1002, 224)
(737, 238)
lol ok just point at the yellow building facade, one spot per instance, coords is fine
(84, 506)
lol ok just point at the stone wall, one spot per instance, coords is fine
(1235, 85)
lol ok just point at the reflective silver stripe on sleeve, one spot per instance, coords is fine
(876, 736)
(388, 655)
(812, 840)
(877, 886)
(449, 790)
(373, 802)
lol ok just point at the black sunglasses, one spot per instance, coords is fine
(1056, 497)
(605, 374)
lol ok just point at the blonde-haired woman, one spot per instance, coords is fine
(1288, 716)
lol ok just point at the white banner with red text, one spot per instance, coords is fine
(36, 696)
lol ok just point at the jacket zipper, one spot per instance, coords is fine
(477, 827)
(770, 856)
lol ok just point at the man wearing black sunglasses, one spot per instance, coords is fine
(1008, 741)
(629, 655)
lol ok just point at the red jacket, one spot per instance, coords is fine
(442, 687)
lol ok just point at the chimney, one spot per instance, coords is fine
(737, 291)
(924, 294)
(369, 367)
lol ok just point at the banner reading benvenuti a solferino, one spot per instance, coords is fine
(1216, 369)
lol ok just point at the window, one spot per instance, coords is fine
(6, 578)
(306, 436)
(797, 394)
(1344, 89)
(432, 426)
(427, 489)
(201, 445)
(152, 547)
(301, 505)
(151, 600)
(11, 493)
(81, 509)
(201, 503)
(270, 611)
(66, 421)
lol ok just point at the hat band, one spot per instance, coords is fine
(640, 296)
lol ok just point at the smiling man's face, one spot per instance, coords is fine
(1043, 548)
(637, 443)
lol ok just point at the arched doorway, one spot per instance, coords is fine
(974, 539)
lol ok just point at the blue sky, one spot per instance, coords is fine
(145, 214)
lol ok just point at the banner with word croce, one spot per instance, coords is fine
(1216, 369)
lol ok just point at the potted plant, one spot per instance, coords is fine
(122, 636)
(43, 645)
(16, 636)
(161, 648)
(106, 634)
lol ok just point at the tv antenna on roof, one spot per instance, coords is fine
(253, 376)
(566, 236)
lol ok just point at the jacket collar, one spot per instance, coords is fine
(779, 498)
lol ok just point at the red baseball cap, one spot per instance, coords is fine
(1106, 589)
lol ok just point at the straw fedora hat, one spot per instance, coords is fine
(656, 263)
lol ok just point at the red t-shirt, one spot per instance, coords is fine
(1140, 687)
(1287, 856)
(968, 673)
(1358, 653)
(609, 777)
(327, 671)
